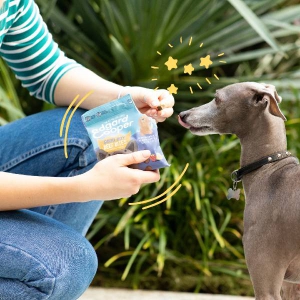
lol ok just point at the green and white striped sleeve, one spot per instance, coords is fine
(29, 50)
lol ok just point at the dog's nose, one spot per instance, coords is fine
(181, 119)
(183, 115)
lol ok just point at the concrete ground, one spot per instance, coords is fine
(122, 294)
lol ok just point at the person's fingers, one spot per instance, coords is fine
(146, 176)
(160, 116)
(149, 176)
(132, 158)
(158, 98)
(151, 98)
(166, 99)
(165, 113)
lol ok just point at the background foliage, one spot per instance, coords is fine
(193, 242)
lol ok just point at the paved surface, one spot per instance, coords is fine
(122, 294)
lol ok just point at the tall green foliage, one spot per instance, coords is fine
(10, 107)
(120, 39)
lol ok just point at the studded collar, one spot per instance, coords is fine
(237, 175)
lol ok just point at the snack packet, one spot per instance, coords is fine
(118, 127)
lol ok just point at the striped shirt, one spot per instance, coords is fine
(29, 50)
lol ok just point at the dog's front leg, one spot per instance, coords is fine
(265, 267)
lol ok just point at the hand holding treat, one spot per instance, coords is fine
(111, 179)
(157, 104)
(118, 127)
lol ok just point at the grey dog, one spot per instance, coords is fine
(271, 181)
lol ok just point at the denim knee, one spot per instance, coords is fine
(65, 275)
(41, 258)
(77, 271)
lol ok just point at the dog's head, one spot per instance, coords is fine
(234, 109)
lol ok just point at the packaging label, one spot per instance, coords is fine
(118, 127)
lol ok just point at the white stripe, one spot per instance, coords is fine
(27, 85)
(37, 74)
(34, 13)
(11, 17)
(38, 64)
(34, 55)
(3, 16)
(44, 77)
(14, 3)
(60, 61)
(41, 91)
(23, 49)
(28, 38)
(32, 22)
(3, 32)
(23, 11)
(55, 65)
(11, 4)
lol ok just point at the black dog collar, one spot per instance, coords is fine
(237, 175)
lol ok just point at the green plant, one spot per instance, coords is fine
(10, 107)
(156, 239)
(120, 39)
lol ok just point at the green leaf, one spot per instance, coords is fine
(123, 60)
(255, 22)
(135, 254)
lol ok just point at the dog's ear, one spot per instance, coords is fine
(271, 88)
(101, 154)
(268, 94)
(132, 146)
(274, 107)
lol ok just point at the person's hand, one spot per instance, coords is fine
(147, 101)
(112, 179)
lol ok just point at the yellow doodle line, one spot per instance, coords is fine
(165, 199)
(65, 116)
(70, 118)
(165, 192)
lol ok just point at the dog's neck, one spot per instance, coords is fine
(266, 136)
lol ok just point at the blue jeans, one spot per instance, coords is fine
(43, 251)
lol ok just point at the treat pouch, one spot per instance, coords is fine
(118, 127)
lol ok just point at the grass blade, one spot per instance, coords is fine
(255, 22)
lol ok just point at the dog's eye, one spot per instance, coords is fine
(258, 97)
(217, 99)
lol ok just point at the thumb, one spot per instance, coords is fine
(134, 157)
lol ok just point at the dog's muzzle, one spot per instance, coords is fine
(181, 121)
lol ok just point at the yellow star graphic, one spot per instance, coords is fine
(205, 61)
(171, 63)
(188, 69)
(172, 89)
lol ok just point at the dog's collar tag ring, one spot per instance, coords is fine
(234, 192)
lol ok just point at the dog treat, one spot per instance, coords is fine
(118, 127)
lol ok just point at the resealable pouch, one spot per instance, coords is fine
(118, 127)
